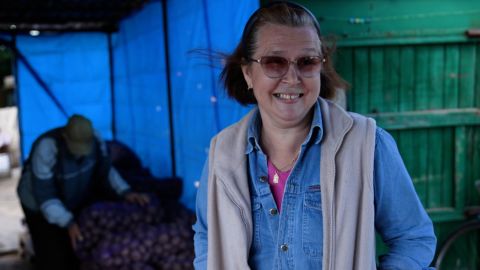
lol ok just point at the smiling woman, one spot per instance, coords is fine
(299, 183)
(244, 53)
(284, 100)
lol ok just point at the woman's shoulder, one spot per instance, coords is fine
(236, 129)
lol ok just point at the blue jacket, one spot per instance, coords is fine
(399, 216)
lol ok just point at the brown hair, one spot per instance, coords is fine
(281, 13)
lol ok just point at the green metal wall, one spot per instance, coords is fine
(412, 67)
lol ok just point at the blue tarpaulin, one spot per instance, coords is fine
(121, 82)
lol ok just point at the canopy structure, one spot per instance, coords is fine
(145, 79)
(65, 15)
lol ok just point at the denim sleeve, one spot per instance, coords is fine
(200, 227)
(400, 217)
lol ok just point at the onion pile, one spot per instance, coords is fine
(122, 235)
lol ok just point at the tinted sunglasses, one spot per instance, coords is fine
(277, 66)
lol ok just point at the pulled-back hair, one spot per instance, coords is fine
(279, 13)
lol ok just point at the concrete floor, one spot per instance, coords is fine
(11, 227)
(14, 262)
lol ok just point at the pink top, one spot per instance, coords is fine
(278, 188)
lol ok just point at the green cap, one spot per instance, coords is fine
(78, 134)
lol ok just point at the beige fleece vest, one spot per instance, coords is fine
(346, 169)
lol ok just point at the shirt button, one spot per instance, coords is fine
(284, 247)
(273, 212)
(263, 179)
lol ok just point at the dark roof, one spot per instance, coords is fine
(64, 15)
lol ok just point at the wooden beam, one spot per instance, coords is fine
(428, 118)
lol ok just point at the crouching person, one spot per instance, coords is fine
(66, 170)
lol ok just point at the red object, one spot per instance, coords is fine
(473, 33)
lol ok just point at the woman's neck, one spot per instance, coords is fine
(282, 144)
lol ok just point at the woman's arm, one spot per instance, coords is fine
(201, 227)
(400, 217)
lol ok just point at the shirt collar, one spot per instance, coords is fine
(314, 135)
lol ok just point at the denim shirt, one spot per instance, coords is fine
(292, 238)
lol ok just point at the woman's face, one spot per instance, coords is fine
(287, 100)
